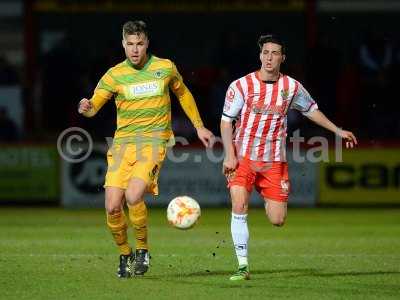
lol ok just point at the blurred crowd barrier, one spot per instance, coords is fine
(186, 171)
(37, 174)
(29, 174)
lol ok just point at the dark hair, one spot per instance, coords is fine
(134, 27)
(271, 38)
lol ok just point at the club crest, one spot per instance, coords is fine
(285, 94)
(230, 95)
(285, 186)
(158, 74)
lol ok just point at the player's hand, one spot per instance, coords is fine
(229, 166)
(205, 136)
(84, 106)
(349, 138)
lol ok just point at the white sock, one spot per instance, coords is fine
(240, 237)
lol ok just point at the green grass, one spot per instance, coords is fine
(319, 254)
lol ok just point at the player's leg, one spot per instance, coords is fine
(273, 184)
(116, 222)
(276, 211)
(144, 179)
(138, 218)
(116, 182)
(135, 199)
(135, 191)
(239, 230)
(240, 185)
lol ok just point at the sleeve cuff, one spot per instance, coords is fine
(312, 108)
(226, 118)
(198, 124)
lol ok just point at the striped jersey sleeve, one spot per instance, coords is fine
(176, 82)
(234, 101)
(302, 101)
(103, 92)
(107, 83)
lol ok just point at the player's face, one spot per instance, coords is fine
(135, 46)
(271, 57)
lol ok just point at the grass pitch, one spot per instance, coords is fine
(319, 254)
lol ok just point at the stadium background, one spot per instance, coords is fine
(341, 239)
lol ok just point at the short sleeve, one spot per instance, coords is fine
(302, 101)
(234, 102)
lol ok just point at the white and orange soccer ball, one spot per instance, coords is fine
(183, 212)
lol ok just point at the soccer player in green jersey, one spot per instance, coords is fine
(140, 87)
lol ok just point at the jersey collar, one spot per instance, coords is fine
(146, 65)
(257, 73)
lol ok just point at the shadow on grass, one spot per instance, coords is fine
(259, 278)
(283, 273)
(209, 278)
(210, 274)
(309, 272)
(253, 272)
(341, 274)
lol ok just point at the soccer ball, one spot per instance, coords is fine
(183, 212)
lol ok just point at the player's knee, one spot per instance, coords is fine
(277, 220)
(239, 207)
(132, 197)
(114, 200)
(113, 209)
(279, 223)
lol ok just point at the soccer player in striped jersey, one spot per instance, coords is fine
(140, 86)
(255, 153)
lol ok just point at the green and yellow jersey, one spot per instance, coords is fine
(142, 100)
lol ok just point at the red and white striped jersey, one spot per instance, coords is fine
(260, 109)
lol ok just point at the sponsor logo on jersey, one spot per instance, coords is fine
(144, 89)
(270, 109)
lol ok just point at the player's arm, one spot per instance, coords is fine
(233, 105)
(189, 106)
(303, 102)
(90, 107)
(230, 159)
(319, 118)
(103, 92)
